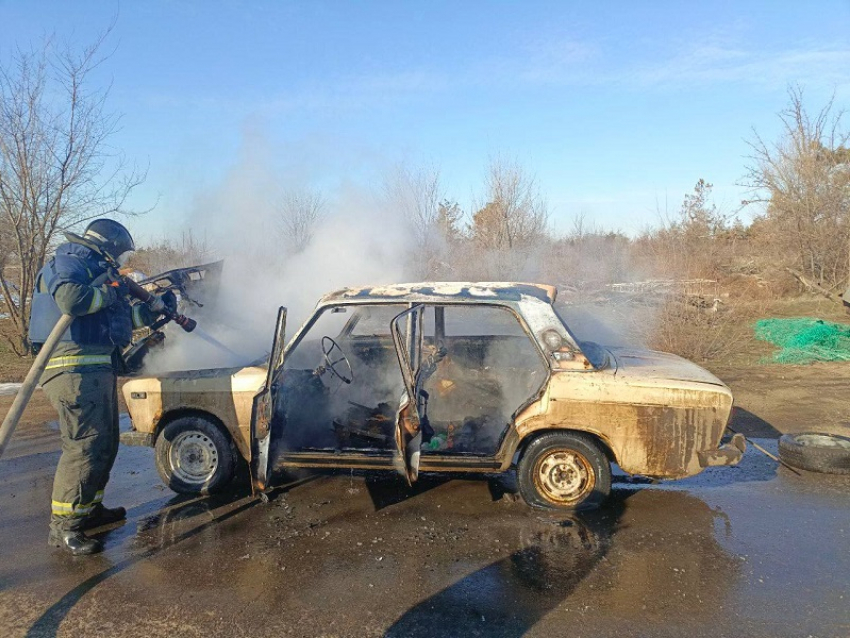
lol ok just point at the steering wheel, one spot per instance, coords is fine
(329, 346)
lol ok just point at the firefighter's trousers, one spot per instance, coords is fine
(87, 403)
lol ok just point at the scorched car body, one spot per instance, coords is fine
(440, 377)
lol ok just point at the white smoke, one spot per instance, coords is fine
(359, 241)
(363, 238)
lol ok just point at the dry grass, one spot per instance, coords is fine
(12, 367)
(701, 334)
(726, 336)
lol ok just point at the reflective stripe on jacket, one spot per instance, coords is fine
(74, 361)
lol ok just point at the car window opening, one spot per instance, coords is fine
(478, 367)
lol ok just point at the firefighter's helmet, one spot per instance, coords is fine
(111, 238)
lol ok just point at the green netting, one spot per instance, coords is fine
(805, 339)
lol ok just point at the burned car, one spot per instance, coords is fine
(480, 378)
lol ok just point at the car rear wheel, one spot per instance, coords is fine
(193, 456)
(564, 471)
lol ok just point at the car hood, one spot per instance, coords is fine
(632, 363)
(196, 285)
(238, 379)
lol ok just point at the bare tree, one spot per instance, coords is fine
(515, 214)
(56, 168)
(510, 224)
(172, 252)
(698, 241)
(300, 213)
(416, 193)
(803, 182)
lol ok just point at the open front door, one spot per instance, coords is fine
(407, 335)
(263, 410)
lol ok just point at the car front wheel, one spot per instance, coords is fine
(193, 456)
(564, 470)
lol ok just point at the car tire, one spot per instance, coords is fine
(564, 470)
(816, 452)
(193, 456)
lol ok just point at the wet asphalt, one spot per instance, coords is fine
(754, 550)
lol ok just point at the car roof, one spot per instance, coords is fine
(444, 291)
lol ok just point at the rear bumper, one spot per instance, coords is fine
(137, 438)
(727, 454)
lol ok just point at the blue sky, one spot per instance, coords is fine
(618, 108)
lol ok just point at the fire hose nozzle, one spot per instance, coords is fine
(143, 295)
(185, 322)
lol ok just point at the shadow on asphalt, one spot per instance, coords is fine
(389, 490)
(641, 554)
(508, 597)
(752, 425)
(179, 508)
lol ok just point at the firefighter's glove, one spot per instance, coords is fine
(164, 303)
(110, 295)
(170, 301)
(97, 282)
(120, 289)
(113, 291)
(111, 286)
(156, 304)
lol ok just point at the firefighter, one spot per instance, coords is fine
(82, 280)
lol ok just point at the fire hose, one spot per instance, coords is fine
(22, 398)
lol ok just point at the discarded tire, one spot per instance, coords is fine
(816, 452)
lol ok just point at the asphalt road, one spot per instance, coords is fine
(749, 551)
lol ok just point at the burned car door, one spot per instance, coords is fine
(407, 336)
(480, 367)
(339, 390)
(263, 408)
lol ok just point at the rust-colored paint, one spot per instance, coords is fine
(263, 423)
(409, 423)
(407, 431)
(655, 430)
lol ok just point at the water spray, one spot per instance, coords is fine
(215, 342)
(189, 325)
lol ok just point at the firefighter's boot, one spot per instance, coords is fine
(74, 542)
(101, 516)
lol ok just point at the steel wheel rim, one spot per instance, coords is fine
(564, 477)
(193, 457)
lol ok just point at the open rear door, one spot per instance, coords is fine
(407, 335)
(263, 410)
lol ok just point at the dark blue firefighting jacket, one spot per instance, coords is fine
(103, 316)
